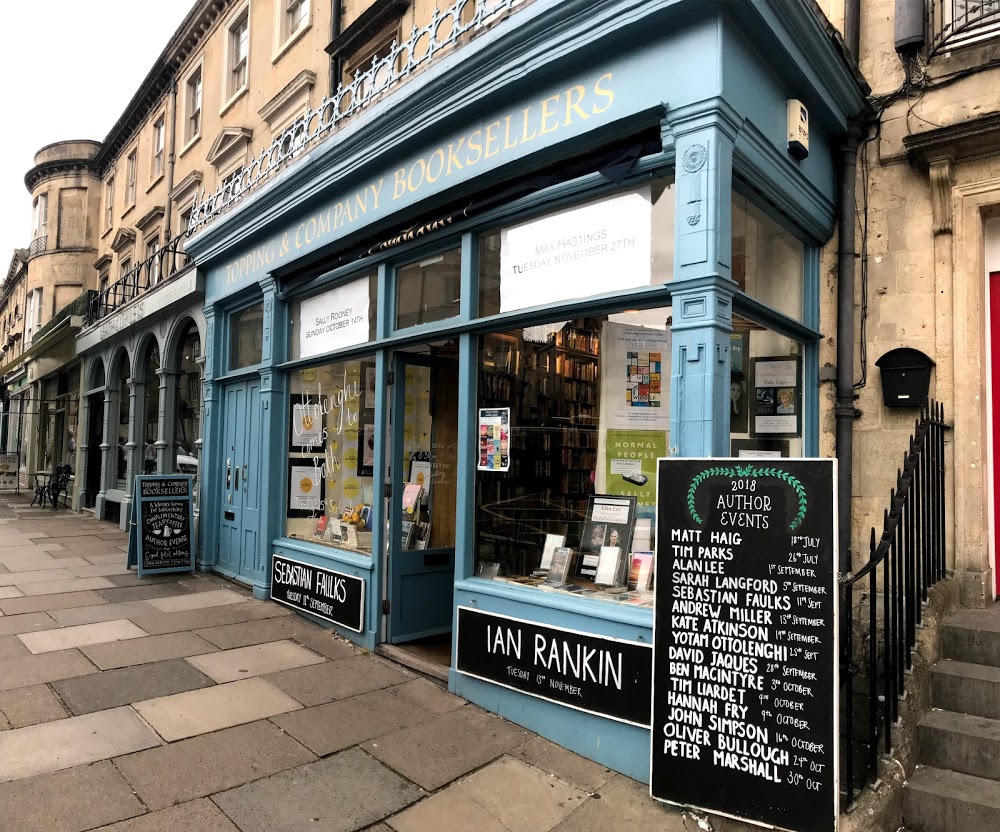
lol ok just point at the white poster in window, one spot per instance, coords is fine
(8, 472)
(335, 319)
(635, 376)
(591, 250)
(494, 439)
(304, 490)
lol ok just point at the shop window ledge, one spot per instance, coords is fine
(583, 607)
(316, 550)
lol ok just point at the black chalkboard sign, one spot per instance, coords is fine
(332, 596)
(744, 659)
(591, 673)
(161, 524)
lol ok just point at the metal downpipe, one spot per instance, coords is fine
(844, 410)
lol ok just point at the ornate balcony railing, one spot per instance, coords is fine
(38, 245)
(166, 264)
(955, 23)
(462, 20)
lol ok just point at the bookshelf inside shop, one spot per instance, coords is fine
(551, 385)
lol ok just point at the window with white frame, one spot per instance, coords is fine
(152, 247)
(238, 55)
(34, 317)
(158, 140)
(131, 163)
(39, 220)
(294, 17)
(126, 266)
(109, 203)
(192, 104)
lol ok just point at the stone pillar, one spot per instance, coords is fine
(105, 455)
(702, 287)
(166, 422)
(137, 393)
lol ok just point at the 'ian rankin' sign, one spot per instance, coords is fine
(599, 675)
(332, 596)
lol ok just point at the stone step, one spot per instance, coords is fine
(973, 636)
(966, 688)
(960, 742)
(937, 800)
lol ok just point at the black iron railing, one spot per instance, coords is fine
(165, 264)
(38, 245)
(911, 557)
(955, 23)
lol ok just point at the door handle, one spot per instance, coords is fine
(229, 472)
(237, 488)
(244, 478)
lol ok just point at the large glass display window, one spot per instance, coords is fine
(572, 417)
(187, 434)
(768, 261)
(613, 244)
(331, 454)
(766, 392)
(429, 290)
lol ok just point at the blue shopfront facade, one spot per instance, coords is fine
(403, 227)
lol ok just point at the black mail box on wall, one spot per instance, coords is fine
(906, 377)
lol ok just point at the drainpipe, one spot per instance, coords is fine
(168, 208)
(844, 410)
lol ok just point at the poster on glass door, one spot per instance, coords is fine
(494, 439)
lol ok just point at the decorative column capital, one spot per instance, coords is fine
(941, 185)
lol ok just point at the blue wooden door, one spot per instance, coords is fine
(239, 551)
(421, 568)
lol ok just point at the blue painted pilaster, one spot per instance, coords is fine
(273, 432)
(211, 432)
(702, 287)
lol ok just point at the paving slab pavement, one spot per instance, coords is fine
(227, 714)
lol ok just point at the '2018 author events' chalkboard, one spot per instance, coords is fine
(160, 534)
(744, 672)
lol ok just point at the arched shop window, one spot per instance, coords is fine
(151, 416)
(187, 437)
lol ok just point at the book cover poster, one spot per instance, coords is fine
(366, 458)
(635, 374)
(494, 439)
(630, 463)
(610, 521)
(305, 488)
(307, 424)
(777, 399)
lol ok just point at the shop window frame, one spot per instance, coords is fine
(468, 328)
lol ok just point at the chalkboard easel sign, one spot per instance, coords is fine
(744, 719)
(161, 524)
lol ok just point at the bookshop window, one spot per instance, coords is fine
(765, 392)
(429, 290)
(335, 319)
(619, 242)
(246, 337)
(331, 454)
(767, 262)
(572, 417)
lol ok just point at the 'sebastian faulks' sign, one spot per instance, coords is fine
(591, 673)
(332, 596)
(744, 668)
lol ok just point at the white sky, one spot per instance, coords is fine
(67, 71)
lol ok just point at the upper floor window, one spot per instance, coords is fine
(109, 203)
(158, 136)
(131, 163)
(152, 247)
(239, 52)
(957, 23)
(192, 103)
(369, 57)
(295, 17)
(39, 220)
(126, 266)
